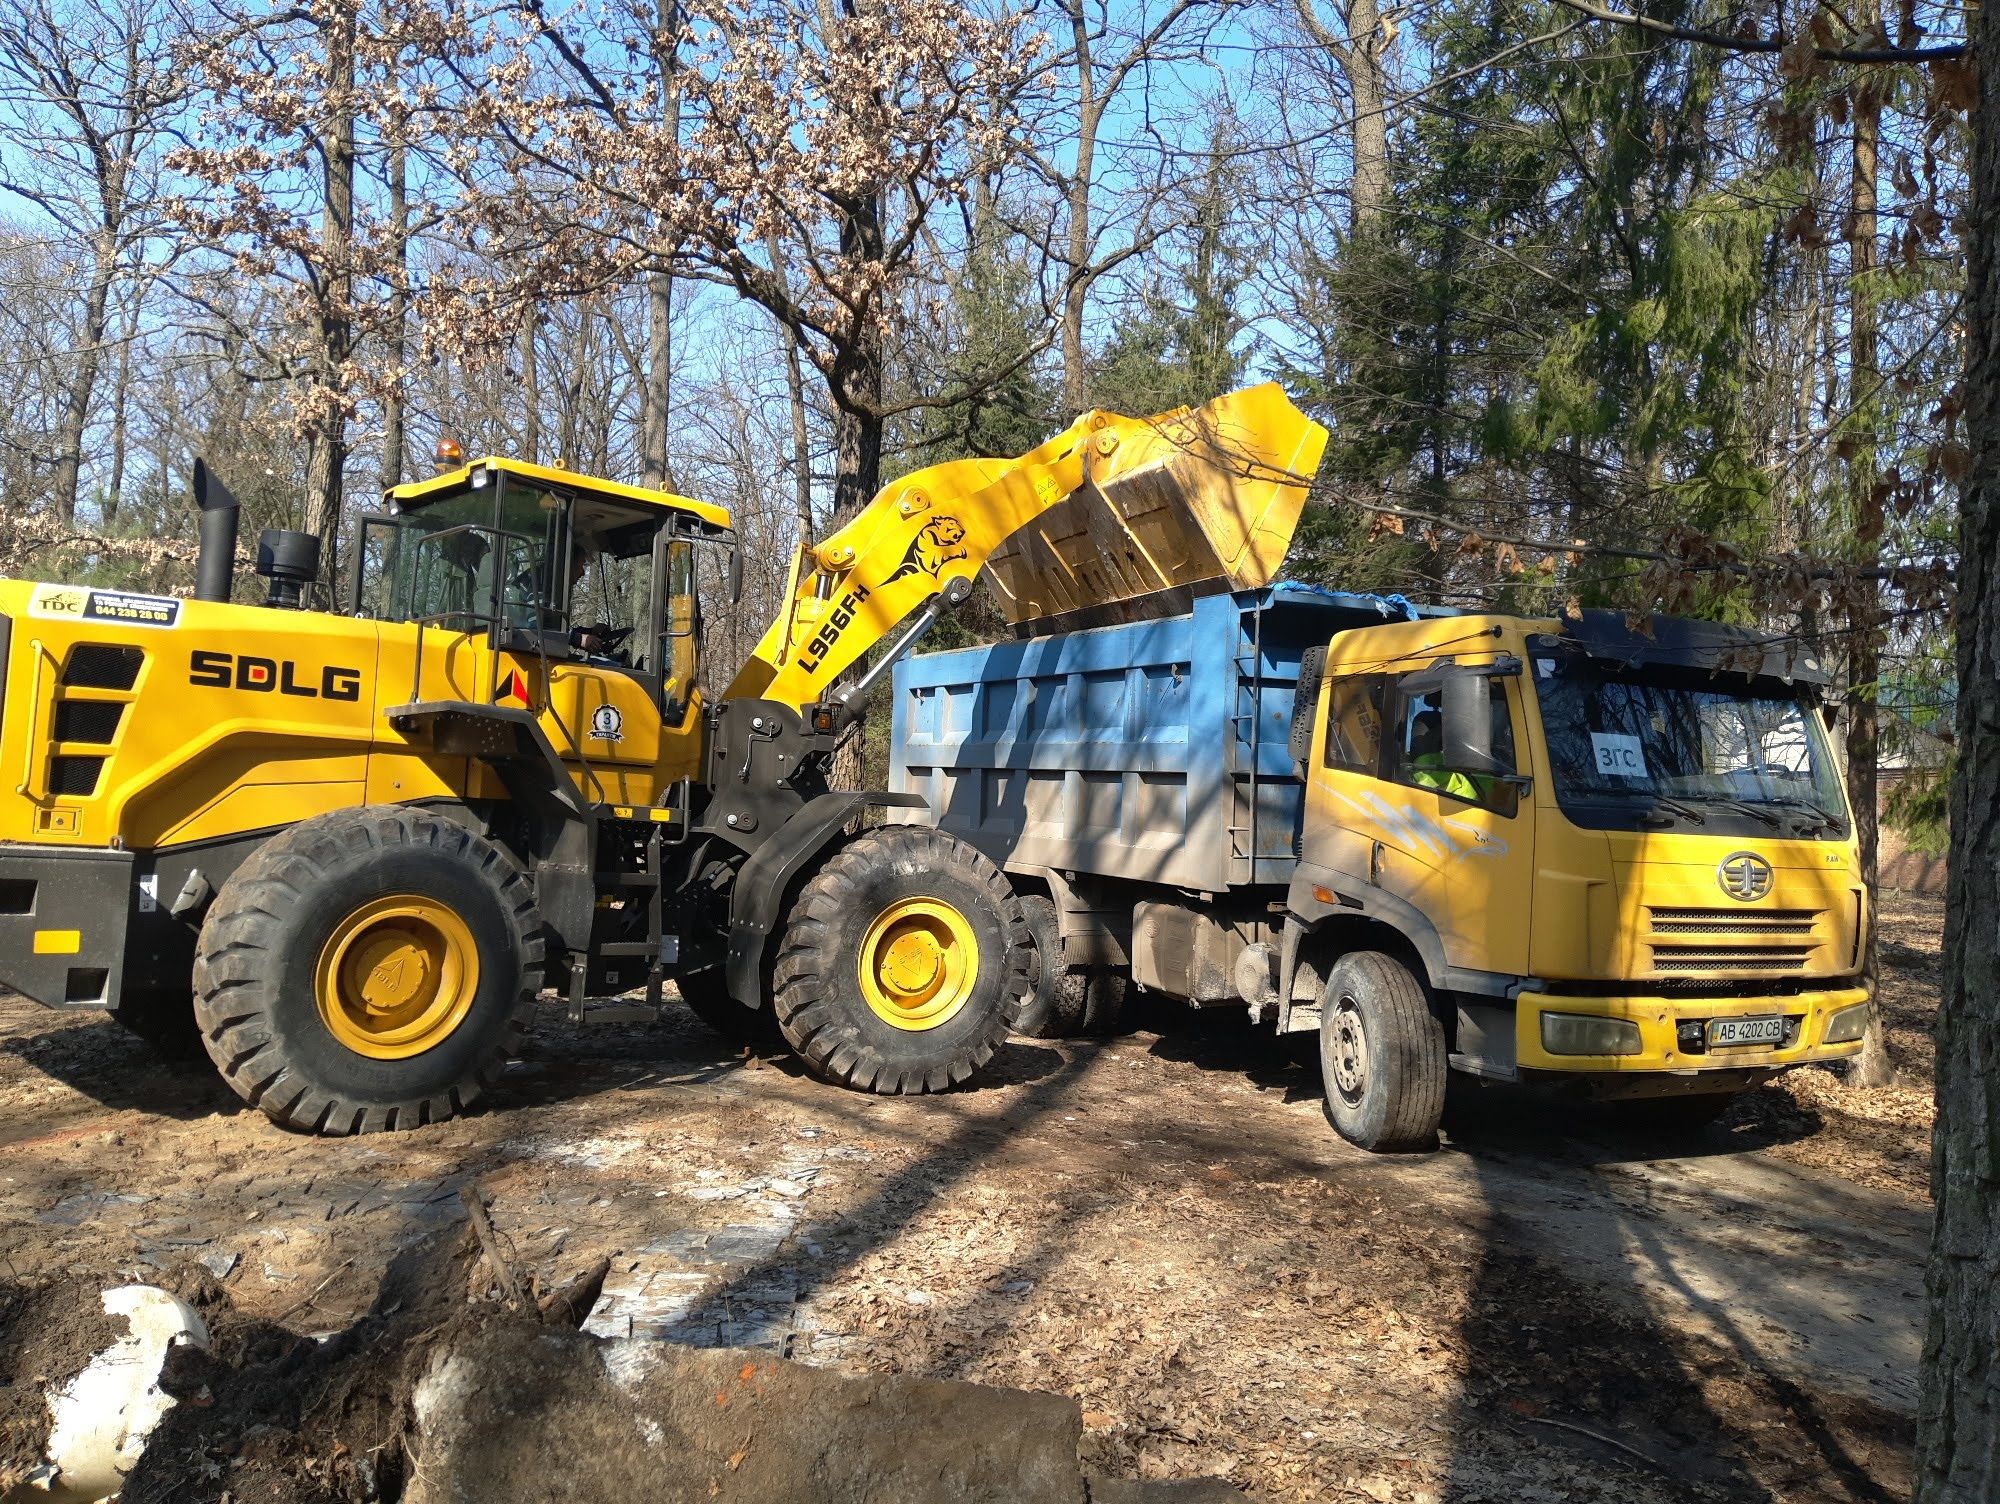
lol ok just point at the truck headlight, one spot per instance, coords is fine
(1848, 1025)
(1581, 1034)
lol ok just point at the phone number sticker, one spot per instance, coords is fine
(76, 603)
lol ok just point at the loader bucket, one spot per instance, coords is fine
(1181, 504)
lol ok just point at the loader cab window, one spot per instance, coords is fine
(563, 570)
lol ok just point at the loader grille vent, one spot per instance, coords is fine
(88, 721)
(99, 665)
(74, 776)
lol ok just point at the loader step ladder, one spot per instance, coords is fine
(664, 827)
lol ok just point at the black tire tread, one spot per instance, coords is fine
(238, 936)
(1410, 1059)
(805, 1001)
(1054, 1009)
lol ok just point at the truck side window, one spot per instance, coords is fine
(1354, 723)
(1417, 752)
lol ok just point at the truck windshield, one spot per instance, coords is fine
(1632, 752)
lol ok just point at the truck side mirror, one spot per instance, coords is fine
(735, 574)
(1468, 721)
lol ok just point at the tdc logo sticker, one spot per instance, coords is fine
(606, 724)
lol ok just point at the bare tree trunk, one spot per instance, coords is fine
(1360, 49)
(656, 407)
(83, 386)
(396, 340)
(1864, 654)
(659, 391)
(1076, 374)
(795, 397)
(857, 378)
(531, 392)
(1958, 1416)
(327, 415)
(121, 397)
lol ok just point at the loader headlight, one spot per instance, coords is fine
(1848, 1025)
(1581, 1034)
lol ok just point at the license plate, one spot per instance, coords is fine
(1723, 1032)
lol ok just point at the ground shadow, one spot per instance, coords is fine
(116, 1069)
(1225, 1040)
(1562, 1366)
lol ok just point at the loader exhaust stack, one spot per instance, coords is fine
(215, 567)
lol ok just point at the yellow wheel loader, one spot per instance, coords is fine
(347, 836)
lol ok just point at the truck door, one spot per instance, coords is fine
(1384, 807)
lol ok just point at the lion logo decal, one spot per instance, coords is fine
(941, 541)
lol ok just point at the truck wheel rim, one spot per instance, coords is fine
(918, 963)
(1349, 1059)
(396, 977)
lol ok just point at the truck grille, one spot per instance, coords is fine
(1694, 941)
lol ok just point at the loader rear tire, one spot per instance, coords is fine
(707, 997)
(1382, 1055)
(904, 962)
(368, 969)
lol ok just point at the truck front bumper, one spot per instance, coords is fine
(63, 918)
(1673, 1035)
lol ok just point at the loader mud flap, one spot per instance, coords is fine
(63, 918)
(757, 900)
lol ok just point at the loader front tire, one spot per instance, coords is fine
(904, 962)
(368, 969)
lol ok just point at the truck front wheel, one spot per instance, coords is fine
(368, 969)
(1381, 1055)
(905, 961)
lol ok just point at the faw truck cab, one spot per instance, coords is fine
(1609, 856)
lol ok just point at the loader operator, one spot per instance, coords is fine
(530, 611)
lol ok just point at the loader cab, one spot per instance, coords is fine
(564, 567)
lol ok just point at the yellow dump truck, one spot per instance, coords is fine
(1554, 850)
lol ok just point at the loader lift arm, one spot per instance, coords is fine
(1175, 500)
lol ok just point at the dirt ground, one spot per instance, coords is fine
(1162, 1226)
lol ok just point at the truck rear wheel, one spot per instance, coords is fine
(1068, 1001)
(904, 963)
(1381, 1055)
(368, 969)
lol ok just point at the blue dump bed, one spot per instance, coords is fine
(1156, 751)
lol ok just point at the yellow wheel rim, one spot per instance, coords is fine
(396, 977)
(919, 961)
